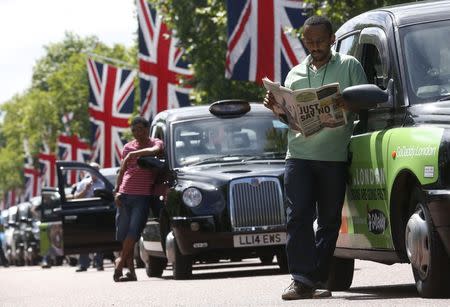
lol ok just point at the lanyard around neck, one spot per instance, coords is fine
(324, 74)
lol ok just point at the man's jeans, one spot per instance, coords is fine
(84, 260)
(313, 189)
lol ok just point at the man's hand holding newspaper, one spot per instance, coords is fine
(307, 110)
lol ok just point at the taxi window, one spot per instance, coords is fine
(193, 141)
(86, 182)
(347, 45)
(427, 61)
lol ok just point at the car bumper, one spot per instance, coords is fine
(439, 206)
(197, 235)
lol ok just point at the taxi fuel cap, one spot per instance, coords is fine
(230, 107)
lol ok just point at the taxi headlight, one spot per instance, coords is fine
(192, 197)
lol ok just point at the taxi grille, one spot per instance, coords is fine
(256, 203)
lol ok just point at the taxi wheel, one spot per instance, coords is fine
(155, 266)
(266, 259)
(137, 257)
(282, 260)
(341, 274)
(182, 266)
(429, 262)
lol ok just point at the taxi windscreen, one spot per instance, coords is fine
(228, 139)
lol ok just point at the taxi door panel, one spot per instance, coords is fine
(88, 223)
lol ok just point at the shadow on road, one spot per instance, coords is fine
(231, 270)
(383, 292)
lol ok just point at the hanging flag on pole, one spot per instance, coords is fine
(161, 64)
(72, 148)
(258, 45)
(47, 163)
(66, 119)
(32, 182)
(111, 100)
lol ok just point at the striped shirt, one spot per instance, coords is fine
(136, 180)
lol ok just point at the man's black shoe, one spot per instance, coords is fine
(297, 291)
(100, 268)
(45, 265)
(321, 290)
(81, 270)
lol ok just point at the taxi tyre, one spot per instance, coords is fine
(59, 260)
(182, 265)
(266, 259)
(137, 256)
(155, 266)
(341, 274)
(282, 260)
(432, 273)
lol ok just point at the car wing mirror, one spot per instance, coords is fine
(150, 162)
(104, 194)
(368, 96)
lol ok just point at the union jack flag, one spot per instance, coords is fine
(47, 164)
(258, 45)
(161, 64)
(11, 198)
(111, 103)
(72, 148)
(32, 182)
(31, 174)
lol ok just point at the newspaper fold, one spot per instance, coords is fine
(307, 110)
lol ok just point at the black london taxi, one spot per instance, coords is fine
(73, 226)
(397, 207)
(221, 183)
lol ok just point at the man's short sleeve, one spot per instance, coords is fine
(159, 143)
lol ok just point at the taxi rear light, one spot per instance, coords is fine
(232, 107)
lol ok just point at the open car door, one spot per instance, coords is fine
(88, 223)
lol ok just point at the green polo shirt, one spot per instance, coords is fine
(330, 144)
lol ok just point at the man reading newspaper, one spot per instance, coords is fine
(307, 110)
(316, 158)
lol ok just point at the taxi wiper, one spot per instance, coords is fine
(267, 155)
(214, 159)
(445, 97)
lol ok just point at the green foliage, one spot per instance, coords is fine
(59, 85)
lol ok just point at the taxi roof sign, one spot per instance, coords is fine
(230, 107)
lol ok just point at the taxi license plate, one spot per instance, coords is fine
(259, 239)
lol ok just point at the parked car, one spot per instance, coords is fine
(24, 238)
(221, 185)
(14, 237)
(50, 230)
(81, 225)
(31, 235)
(397, 207)
(3, 229)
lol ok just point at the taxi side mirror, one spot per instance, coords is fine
(104, 194)
(150, 162)
(367, 96)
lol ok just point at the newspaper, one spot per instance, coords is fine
(307, 110)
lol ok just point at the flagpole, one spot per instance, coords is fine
(113, 61)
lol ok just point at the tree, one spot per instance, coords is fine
(59, 85)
